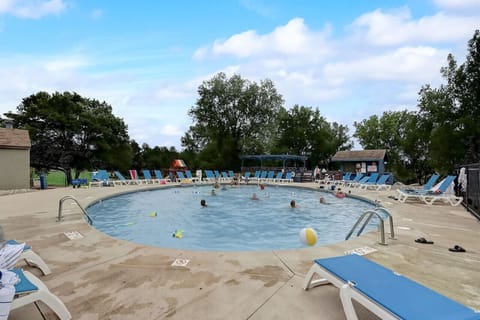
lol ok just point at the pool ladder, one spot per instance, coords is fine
(60, 205)
(366, 217)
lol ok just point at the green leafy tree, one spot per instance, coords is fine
(232, 116)
(388, 132)
(304, 131)
(452, 112)
(69, 131)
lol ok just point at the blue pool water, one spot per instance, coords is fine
(230, 222)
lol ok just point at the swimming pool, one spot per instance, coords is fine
(230, 222)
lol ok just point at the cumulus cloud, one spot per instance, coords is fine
(458, 4)
(31, 9)
(398, 27)
(292, 39)
(402, 64)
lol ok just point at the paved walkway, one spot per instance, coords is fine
(99, 277)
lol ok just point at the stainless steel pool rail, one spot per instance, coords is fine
(60, 205)
(367, 216)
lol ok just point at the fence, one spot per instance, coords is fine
(471, 194)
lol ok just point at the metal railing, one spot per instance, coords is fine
(60, 205)
(471, 192)
(367, 216)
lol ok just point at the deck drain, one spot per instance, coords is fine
(180, 263)
(361, 251)
(73, 235)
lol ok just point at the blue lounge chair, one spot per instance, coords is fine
(180, 176)
(404, 193)
(441, 195)
(210, 175)
(278, 178)
(354, 181)
(370, 182)
(189, 175)
(382, 291)
(361, 181)
(225, 176)
(148, 177)
(256, 176)
(121, 179)
(288, 177)
(382, 183)
(30, 289)
(159, 176)
(345, 179)
(270, 175)
(217, 174)
(99, 179)
(263, 176)
(419, 194)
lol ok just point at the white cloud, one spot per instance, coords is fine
(458, 4)
(292, 39)
(408, 64)
(398, 27)
(68, 63)
(31, 9)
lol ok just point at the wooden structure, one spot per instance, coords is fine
(364, 161)
(14, 159)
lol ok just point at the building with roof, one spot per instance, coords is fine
(14, 159)
(364, 161)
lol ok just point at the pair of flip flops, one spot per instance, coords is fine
(456, 248)
(423, 240)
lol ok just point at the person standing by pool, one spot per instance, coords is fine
(316, 173)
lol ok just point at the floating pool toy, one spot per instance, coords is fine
(178, 234)
(340, 195)
(153, 214)
(308, 236)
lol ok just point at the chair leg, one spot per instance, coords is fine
(33, 259)
(309, 282)
(346, 299)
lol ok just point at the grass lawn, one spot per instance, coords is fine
(57, 178)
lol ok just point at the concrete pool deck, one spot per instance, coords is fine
(99, 277)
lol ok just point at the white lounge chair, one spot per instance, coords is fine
(30, 289)
(383, 292)
(31, 258)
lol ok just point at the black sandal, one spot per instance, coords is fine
(423, 240)
(457, 249)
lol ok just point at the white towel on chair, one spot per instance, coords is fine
(9, 255)
(8, 280)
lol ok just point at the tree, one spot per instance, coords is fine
(390, 132)
(232, 116)
(68, 132)
(452, 112)
(304, 131)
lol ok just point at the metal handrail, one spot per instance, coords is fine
(370, 214)
(60, 204)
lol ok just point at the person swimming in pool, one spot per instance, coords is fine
(293, 204)
(254, 196)
(203, 203)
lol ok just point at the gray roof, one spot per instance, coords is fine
(14, 139)
(359, 155)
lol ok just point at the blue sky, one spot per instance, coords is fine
(349, 59)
